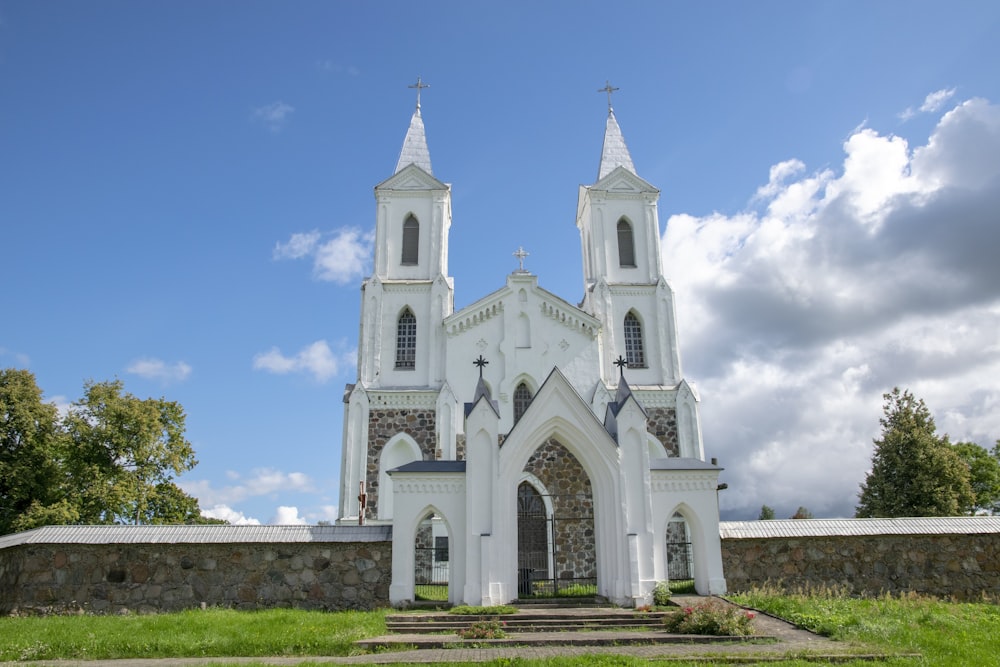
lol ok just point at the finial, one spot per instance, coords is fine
(420, 85)
(480, 362)
(521, 254)
(606, 89)
(621, 363)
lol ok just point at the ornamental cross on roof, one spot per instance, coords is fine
(419, 85)
(480, 362)
(621, 363)
(606, 89)
(521, 254)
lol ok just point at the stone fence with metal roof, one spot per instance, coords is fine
(114, 569)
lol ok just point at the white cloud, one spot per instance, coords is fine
(796, 318)
(287, 516)
(157, 369)
(273, 115)
(63, 404)
(227, 513)
(934, 101)
(266, 482)
(316, 359)
(342, 259)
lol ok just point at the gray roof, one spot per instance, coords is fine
(960, 525)
(196, 535)
(431, 466)
(415, 146)
(681, 463)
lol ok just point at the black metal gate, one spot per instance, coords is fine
(679, 559)
(556, 552)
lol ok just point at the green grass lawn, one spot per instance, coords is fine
(946, 634)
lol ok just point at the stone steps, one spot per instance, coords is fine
(525, 639)
(551, 622)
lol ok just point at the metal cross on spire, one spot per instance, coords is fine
(520, 254)
(480, 362)
(419, 85)
(621, 363)
(608, 89)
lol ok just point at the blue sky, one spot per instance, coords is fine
(829, 176)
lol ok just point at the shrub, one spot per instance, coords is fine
(661, 594)
(712, 617)
(483, 630)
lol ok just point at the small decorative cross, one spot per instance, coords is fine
(606, 89)
(420, 85)
(520, 254)
(480, 362)
(621, 363)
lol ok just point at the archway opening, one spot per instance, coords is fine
(680, 554)
(557, 550)
(431, 559)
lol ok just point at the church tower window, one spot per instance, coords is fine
(411, 241)
(635, 355)
(406, 340)
(522, 397)
(626, 244)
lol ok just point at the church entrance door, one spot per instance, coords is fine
(431, 560)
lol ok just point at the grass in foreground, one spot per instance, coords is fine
(195, 633)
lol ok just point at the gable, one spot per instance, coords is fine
(411, 177)
(622, 181)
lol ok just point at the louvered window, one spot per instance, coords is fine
(406, 341)
(411, 240)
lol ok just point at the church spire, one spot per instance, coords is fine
(415, 149)
(615, 152)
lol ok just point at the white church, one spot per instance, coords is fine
(524, 445)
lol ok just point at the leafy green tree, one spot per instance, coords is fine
(914, 472)
(766, 513)
(123, 447)
(32, 449)
(802, 513)
(984, 475)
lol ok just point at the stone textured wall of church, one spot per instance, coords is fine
(383, 424)
(662, 423)
(960, 566)
(572, 509)
(147, 578)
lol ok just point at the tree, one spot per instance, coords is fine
(124, 447)
(802, 513)
(984, 475)
(32, 450)
(110, 460)
(766, 513)
(914, 472)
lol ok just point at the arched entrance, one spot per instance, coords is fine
(431, 559)
(680, 556)
(557, 554)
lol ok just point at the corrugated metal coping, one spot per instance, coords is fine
(196, 535)
(954, 525)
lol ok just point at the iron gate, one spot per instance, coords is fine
(556, 552)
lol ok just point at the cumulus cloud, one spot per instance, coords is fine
(287, 516)
(227, 513)
(341, 258)
(835, 286)
(157, 369)
(932, 103)
(273, 116)
(316, 359)
(261, 482)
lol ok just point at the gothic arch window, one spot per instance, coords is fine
(626, 244)
(635, 354)
(522, 398)
(411, 240)
(406, 340)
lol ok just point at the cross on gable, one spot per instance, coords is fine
(419, 85)
(608, 89)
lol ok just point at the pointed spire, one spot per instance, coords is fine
(415, 149)
(615, 152)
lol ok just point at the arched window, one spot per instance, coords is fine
(626, 246)
(635, 355)
(406, 340)
(411, 240)
(522, 397)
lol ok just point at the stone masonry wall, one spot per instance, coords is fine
(662, 423)
(383, 424)
(145, 578)
(960, 566)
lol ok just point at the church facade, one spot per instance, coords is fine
(572, 459)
